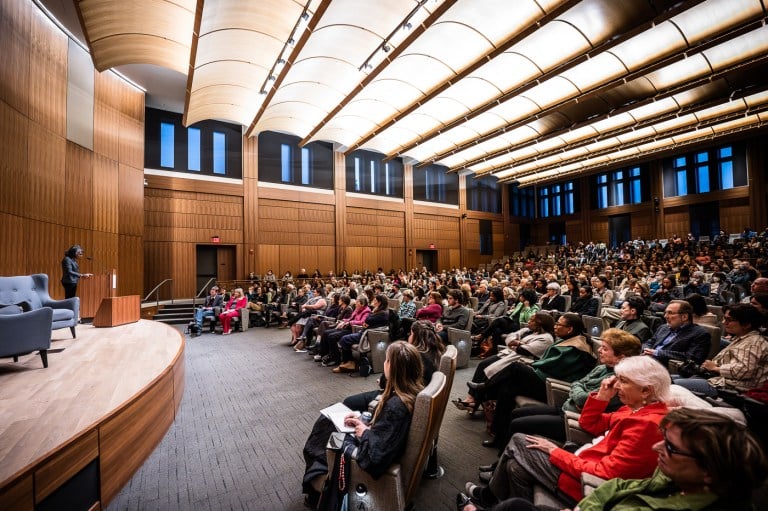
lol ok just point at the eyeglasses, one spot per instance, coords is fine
(671, 449)
(728, 319)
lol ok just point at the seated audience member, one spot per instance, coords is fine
(548, 421)
(212, 301)
(379, 317)
(604, 292)
(568, 359)
(531, 342)
(424, 338)
(431, 312)
(760, 285)
(630, 315)
(743, 364)
(331, 337)
(697, 285)
(482, 293)
(665, 294)
(519, 315)
(585, 304)
(701, 314)
(706, 462)
(407, 307)
(625, 450)
(679, 338)
(343, 314)
(314, 305)
(382, 441)
(232, 309)
(491, 309)
(306, 339)
(552, 299)
(454, 315)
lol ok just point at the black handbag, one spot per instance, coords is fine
(691, 369)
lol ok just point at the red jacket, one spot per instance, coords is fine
(625, 452)
(430, 312)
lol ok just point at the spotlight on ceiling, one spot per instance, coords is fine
(386, 47)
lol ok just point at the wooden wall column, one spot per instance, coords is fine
(340, 195)
(248, 262)
(757, 174)
(657, 191)
(410, 250)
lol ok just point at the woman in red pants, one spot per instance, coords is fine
(232, 309)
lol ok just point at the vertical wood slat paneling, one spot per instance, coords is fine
(105, 194)
(14, 134)
(78, 186)
(12, 257)
(44, 188)
(131, 264)
(15, 27)
(48, 76)
(675, 222)
(106, 115)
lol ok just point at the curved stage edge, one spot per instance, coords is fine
(85, 425)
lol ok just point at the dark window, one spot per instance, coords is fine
(368, 173)
(435, 184)
(281, 160)
(208, 147)
(705, 171)
(484, 194)
(486, 237)
(557, 200)
(620, 187)
(521, 201)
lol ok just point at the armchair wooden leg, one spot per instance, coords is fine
(15, 358)
(44, 358)
(74, 334)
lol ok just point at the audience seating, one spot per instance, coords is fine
(33, 289)
(395, 490)
(448, 368)
(593, 325)
(462, 339)
(25, 332)
(376, 343)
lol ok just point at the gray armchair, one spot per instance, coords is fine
(33, 289)
(25, 332)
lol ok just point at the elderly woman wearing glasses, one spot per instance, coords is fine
(743, 364)
(622, 447)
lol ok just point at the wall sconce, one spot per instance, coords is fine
(410, 251)
(463, 215)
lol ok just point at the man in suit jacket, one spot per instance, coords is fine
(679, 339)
(212, 301)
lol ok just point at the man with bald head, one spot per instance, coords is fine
(760, 285)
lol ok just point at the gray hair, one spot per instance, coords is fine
(646, 372)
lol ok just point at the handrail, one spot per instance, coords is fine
(202, 290)
(157, 295)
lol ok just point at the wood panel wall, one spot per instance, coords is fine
(175, 223)
(53, 192)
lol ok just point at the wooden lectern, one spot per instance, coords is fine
(118, 310)
(94, 289)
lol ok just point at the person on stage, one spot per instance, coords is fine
(71, 271)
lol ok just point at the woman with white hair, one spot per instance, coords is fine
(552, 299)
(623, 446)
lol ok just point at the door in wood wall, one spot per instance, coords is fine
(214, 262)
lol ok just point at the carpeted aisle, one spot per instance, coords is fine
(248, 406)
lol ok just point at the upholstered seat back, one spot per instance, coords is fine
(23, 288)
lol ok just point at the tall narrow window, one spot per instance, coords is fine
(702, 172)
(387, 179)
(570, 206)
(373, 176)
(193, 149)
(166, 145)
(285, 163)
(358, 174)
(618, 188)
(725, 155)
(305, 163)
(635, 187)
(219, 153)
(682, 182)
(602, 191)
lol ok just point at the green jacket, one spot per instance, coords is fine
(655, 493)
(567, 359)
(581, 388)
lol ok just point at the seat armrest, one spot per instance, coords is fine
(673, 366)
(589, 482)
(558, 392)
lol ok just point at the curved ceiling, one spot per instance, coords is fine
(524, 90)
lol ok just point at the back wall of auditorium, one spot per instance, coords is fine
(149, 197)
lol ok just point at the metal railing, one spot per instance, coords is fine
(156, 290)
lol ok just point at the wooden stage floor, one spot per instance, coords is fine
(85, 384)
